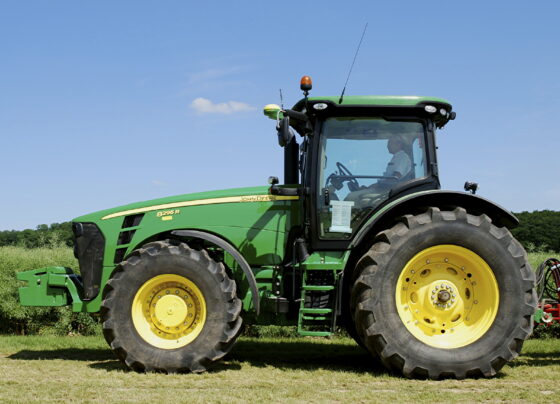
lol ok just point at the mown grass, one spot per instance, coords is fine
(83, 369)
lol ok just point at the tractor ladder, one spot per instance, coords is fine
(320, 300)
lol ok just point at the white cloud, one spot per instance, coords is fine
(205, 106)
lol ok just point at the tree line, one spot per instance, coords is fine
(538, 230)
(44, 235)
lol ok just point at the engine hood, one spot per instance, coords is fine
(234, 195)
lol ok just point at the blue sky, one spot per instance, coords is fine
(105, 103)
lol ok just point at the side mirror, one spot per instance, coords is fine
(285, 135)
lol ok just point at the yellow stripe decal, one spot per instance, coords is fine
(211, 201)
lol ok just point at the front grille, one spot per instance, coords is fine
(89, 247)
(129, 227)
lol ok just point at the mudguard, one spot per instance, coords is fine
(385, 217)
(233, 252)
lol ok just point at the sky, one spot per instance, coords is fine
(111, 102)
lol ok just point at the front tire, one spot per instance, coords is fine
(444, 294)
(170, 308)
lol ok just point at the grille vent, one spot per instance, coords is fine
(126, 235)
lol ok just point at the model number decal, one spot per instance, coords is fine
(162, 213)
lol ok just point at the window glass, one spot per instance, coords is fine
(360, 160)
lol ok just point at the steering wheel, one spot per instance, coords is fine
(352, 182)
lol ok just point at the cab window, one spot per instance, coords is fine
(360, 160)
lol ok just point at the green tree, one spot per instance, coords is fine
(539, 229)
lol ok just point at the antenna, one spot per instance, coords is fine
(351, 66)
(281, 100)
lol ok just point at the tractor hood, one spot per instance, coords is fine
(251, 219)
(225, 196)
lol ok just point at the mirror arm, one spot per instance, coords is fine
(276, 190)
(300, 116)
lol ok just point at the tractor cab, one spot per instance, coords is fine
(356, 155)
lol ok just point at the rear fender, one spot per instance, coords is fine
(418, 202)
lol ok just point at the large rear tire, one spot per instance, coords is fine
(444, 294)
(170, 308)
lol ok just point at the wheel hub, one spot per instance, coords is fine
(169, 311)
(443, 295)
(447, 296)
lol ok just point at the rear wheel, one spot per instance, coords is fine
(170, 308)
(444, 294)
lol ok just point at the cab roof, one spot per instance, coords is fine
(437, 109)
(380, 100)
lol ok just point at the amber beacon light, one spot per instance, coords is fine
(305, 84)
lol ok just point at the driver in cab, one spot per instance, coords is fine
(400, 164)
(398, 168)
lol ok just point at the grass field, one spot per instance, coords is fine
(83, 369)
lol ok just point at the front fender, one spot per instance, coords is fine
(233, 252)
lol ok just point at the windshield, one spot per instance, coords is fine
(360, 161)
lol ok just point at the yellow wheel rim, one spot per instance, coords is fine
(169, 311)
(447, 296)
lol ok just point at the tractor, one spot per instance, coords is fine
(358, 236)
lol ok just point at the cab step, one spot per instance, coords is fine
(316, 287)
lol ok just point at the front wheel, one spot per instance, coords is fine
(170, 308)
(444, 294)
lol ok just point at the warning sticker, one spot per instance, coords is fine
(341, 212)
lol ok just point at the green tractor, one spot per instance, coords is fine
(359, 235)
